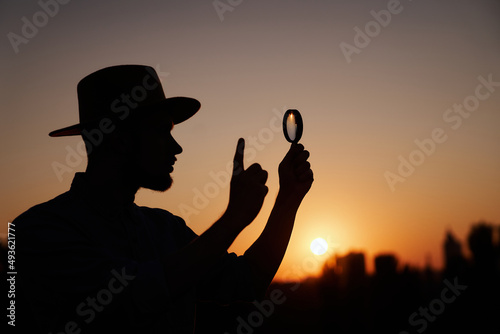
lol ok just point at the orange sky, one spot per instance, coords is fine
(361, 111)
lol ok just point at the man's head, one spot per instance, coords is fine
(126, 120)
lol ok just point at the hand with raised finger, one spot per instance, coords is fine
(248, 189)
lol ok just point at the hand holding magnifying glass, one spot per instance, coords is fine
(296, 176)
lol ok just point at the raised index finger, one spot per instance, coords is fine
(238, 156)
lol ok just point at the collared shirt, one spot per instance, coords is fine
(85, 266)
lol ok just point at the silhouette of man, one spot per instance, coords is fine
(92, 261)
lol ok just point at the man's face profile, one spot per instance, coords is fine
(156, 151)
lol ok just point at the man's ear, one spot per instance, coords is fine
(125, 141)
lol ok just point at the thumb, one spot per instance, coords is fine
(238, 157)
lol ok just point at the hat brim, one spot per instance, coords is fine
(179, 108)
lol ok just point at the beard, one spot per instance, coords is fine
(157, 183)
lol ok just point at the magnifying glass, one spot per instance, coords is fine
(292, 125)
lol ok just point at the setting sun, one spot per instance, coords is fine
(319, 246)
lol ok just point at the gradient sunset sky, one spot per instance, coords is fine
(247, 63)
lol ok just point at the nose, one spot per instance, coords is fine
(177, 147)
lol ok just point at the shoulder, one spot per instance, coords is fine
(165, 220)
(45, 225)
(46, 212)
(161, 215)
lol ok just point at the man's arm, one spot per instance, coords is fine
(189, 265)
(266, 253)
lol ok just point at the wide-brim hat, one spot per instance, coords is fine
(120, 93)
